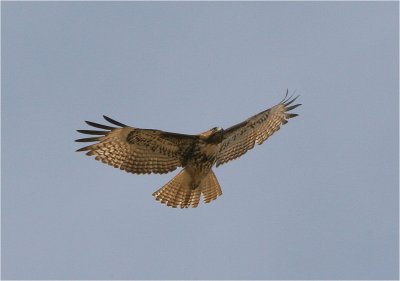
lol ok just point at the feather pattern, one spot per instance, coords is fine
(139, 151)
(177, 192)
(242, 137)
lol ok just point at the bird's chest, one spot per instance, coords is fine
(202, 156)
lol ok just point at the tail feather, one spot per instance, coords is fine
(195, 198)
(207, 192)
(180, 196)
(186, 199)
(212, 189)
(178, 191)
(171, 195)
(171, 190)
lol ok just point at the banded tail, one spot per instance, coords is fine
(178, 191)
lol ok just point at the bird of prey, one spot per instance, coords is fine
(145, 151)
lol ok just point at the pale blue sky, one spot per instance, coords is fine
(318, 200)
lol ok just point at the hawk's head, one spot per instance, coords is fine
(217, 130)
(214, 135)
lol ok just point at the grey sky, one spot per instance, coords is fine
(318, 200)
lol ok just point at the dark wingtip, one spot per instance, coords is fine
(290, 100)
(293, 107)
(291, 115)
(100, 126)
(87, 140)
(85, 148)
(91, 132)
(286, 95)
(112, 121)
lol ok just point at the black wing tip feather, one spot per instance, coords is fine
(288, 100)
(287, 109)
(292, 107)
(107, 129)
(286, 95)
(99, 126)
(85, 148)
(291, 115)
(92, 132)
(87, 140)
(112, 121)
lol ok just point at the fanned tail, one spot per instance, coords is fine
(178, 191)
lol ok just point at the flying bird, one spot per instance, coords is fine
(145, 151)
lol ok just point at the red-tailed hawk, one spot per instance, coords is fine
(145, 151)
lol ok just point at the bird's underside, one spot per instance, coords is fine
(145, 151)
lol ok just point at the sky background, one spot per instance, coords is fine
(318, 200)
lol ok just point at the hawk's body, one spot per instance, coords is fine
(142, 151)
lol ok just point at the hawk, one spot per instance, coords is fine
(145, 151)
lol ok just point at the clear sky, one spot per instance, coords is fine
(318, 200)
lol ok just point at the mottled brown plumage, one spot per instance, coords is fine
(145, 151)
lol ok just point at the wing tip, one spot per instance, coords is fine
(291, 115)
(292, 107)
(85, 148)
(287, 100)
(87, 140)
(100, 134)
(92, 132)
(99, 126)
(112, 121)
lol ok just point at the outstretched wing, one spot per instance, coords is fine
(242, 137)
(139, 151)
